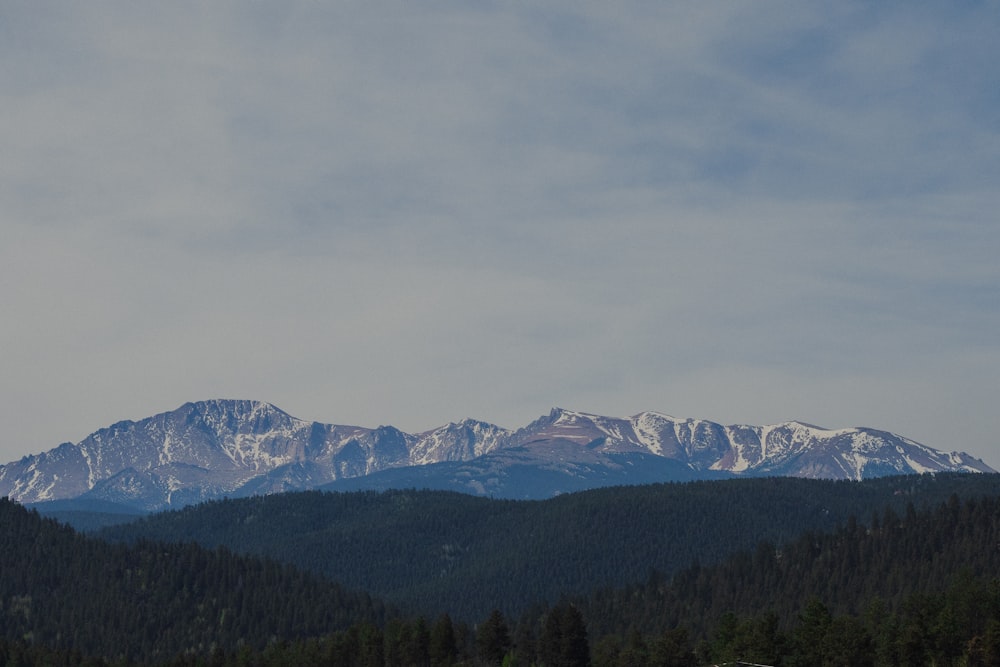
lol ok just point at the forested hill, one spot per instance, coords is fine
(62, 590)
(914, 583)
(440, 551)
(917, 588)
(891, 558)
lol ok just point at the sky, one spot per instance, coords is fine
(405, 213)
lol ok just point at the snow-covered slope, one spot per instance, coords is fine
(790, 449)
(204, 450)
(215, 448)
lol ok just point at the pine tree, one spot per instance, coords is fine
(673, 649)
(493, 638)
(442, 648)
(564, 638)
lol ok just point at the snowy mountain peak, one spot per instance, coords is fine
(212, 448)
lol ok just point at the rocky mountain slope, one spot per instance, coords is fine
(217, 448)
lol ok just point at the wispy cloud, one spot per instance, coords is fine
(390, 213)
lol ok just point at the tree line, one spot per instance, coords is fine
(60, 589)
(914, 583)
(442, 551)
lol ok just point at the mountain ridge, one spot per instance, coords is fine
(215, 448)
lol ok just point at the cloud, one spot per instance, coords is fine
(378, 214)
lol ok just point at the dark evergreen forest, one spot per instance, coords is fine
(149, 600)
(432, 551)
(910, 578)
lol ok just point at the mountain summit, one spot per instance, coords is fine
(217, 448)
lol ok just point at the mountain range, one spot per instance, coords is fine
(230, 448)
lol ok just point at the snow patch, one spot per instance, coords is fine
(740, 462)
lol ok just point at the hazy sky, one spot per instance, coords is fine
(410, 213)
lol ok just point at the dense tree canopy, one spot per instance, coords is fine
(60, 589)
(913, 583)
(446, 552)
